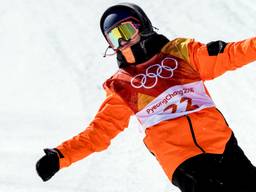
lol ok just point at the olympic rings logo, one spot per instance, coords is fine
(159, 71)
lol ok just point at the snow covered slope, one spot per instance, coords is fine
(51, 72)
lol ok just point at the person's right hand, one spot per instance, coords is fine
(48, 165)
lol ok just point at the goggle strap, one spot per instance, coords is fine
(105, 53)
(108, 54)
(157, 29)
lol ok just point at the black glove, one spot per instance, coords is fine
(48, 165)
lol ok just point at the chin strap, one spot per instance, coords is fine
(146, 48)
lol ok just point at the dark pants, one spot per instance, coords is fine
(228, 172)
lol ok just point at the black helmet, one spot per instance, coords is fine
(120, 12)
(149, 44)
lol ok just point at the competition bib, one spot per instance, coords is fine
(175, 102)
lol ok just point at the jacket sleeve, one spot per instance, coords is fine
(112, 118)
(215, 58)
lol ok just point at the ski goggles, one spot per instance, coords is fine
(123, 33)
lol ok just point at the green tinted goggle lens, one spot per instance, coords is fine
(125, 31)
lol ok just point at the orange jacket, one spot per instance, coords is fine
(174, 140)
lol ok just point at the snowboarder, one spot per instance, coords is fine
(161, 82)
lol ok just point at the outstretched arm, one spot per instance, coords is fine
(215, 58)
(112, 117)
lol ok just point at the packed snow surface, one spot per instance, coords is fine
(51, 75)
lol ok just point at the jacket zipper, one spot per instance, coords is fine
(193, 134)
